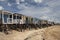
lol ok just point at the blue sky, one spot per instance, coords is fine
(42, 9)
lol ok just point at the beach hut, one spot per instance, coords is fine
(10, 20)
(7, 17)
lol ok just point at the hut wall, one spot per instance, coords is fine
(7, 17)
(0, 17)
(23, 19)
(28, 20)
(35, 21)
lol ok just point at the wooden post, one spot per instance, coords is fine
(16, 18)
(12, 18)
(2, 17)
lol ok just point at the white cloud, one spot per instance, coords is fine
(35, 12)
(44, 17)
(22, 0)
(9, 4)
(38, 1)
(45, 10)
(21, 6)
(18, 1)
(39, 12)
(2, 0)
(1, 8)
(53, 3)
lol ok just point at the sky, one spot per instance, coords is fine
(42, 9)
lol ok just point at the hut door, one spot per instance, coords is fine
(5, 18)
(9, 19)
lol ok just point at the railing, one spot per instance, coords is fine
(9, 20)
(22, 21)
(18, 21)
(15, 21)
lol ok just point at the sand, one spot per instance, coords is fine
(50, 33)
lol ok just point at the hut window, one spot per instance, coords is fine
(5, 18)
(10, 16)
(14, 17)
(18, 17)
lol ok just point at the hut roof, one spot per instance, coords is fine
(6, 12)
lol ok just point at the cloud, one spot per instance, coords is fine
(55, 7)
(22, 0)
(35, 12)
(53, 3)
(9, 4)
(42, 9)
(49, 18)
(21, 6)
(38, 1)
(44, 17)
(2, 0)
(46, 13)
(18, 1)
(1, 8)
